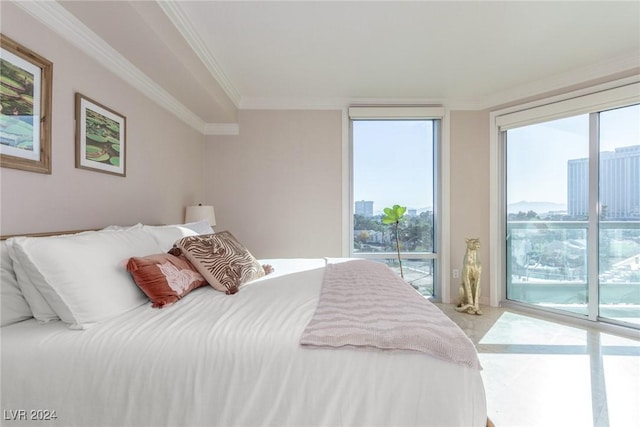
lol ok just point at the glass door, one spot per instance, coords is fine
(548, 214)
(619, 226)
(573, 214)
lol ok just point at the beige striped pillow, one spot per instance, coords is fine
(223, 261)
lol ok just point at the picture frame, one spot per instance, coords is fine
(26, 80)
(100, 137)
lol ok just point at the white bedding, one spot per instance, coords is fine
(214, 359)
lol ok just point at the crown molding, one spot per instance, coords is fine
(567, 79)
(292, 103)
(78, 34)
(340, 103)
(221, 129)
(62, 22)
(176, 14)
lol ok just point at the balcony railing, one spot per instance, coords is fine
(547, 265)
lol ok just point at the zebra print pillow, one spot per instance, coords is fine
(223, 261)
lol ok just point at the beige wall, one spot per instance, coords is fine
(278, 185)
(469, 192)
(163, 166)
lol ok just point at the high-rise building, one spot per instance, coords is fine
(364, 208)
(619, 184)
(578, 188)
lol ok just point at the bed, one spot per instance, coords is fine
(214, 359)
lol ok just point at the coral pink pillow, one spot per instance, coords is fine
(164, 278)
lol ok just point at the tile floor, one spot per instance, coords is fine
(544, 373)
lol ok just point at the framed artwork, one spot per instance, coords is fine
(100, 137)
(25, 108)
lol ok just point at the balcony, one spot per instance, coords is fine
(547, 265)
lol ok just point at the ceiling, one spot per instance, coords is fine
(209, 59)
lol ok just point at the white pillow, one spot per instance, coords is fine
(14, 307)
(166, 235)
(200, 227)
(40, 308)
(120, 227)
(83, 276)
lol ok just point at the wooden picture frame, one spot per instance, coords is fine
(100, 137)
(25, 114)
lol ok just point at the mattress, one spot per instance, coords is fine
(218, 360)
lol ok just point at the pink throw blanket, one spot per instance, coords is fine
(365, 304)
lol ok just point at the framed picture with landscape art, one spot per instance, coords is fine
(25, 108)
(100, 137)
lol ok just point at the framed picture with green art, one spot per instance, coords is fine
(100, 137)
(25, 108)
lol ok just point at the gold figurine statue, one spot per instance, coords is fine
(469, 291)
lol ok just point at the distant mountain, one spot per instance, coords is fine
(537, 207)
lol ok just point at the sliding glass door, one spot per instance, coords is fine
(573, 214)
(547, 237)
(619, 225)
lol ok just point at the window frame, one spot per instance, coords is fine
(590, 100)
(441, 187)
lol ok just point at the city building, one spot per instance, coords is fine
(364, 208)
(619, 192)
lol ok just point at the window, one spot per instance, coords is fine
(394, 161)
(571, 206)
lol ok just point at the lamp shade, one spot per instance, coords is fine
(200, 213)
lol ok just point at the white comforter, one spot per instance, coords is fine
(213, 359)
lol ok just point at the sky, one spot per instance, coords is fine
(537, 155)
(398, 176)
